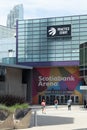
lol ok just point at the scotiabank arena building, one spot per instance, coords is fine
(51, 47)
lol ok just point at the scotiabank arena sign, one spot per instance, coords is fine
(59, 31)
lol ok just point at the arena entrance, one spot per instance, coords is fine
(62, 99)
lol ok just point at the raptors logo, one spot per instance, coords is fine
(52, 31)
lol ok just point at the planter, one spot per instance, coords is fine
(11, 122)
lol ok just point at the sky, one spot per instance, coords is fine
(43, 8)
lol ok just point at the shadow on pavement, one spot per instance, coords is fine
(43, 120)
(81, 129)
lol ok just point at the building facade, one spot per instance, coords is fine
(51, 46)
(15, 14)
(7, 44)
(83, 68)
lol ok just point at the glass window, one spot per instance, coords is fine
(29, 25)
(43, 28)
(43, 47)
(43, 20)
(67, 51)
(43, 52)
(75, 58)
(59, 47)
(75, 46)
(51, 20)
(36, 40)
(75, 38)
(29, 29)
(67, 54)
(51, 47)
(35, 25)
(20, 37)
(36, 44)
(67, 47)
(75, 17)
(75, 50)
(51, 55)
(51, 24)
(28, 21)
(75, 25)
(36, 20)
(36, 48)
(21, 22)
(59, 23)
(50, 59)
(59, 19)
(67, 18)
(75, 34)
(67, 43)
(83, 29)
(43, 32)
(75, 29)
(36, 36)
(59, 55)
(21, 29)
(59, 59)
(82, 41)
(21, 45)
(29, 56)
(50, 51)
(75, 42)
(36, 56)
(43, 56)
(35, 60)
(21, 33)
(83, 21)
(43, 24)
(36, 29)
(75, 22)
(75, 54)
(83, 17)
(67, 58)
(83, 25)
(59, 51)
(67, 22)
(83, 37)
(83, 33)
(21, 25)
(43, 59)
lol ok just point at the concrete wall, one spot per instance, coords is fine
(14, 84)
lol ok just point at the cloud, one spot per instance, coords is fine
(44, 8)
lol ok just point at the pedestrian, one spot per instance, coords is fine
(43, 104)
(69, 103)
(56, 103)
(84, 103)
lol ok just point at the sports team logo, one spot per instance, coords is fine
(52, 31)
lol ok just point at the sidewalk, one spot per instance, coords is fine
(60, 119)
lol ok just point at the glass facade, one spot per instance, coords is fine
(16, 13)
(83, 59)
(7, 43)
(33, 45)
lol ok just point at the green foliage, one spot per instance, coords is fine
(10, 100)
(14, 107)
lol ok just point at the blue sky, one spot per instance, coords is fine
(43, 8)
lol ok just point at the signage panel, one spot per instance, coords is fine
(83, 87)
(59, 31)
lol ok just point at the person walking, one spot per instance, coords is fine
(69, 103)
(56, 103)
(43, 104)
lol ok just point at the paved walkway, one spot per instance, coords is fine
(60, 119)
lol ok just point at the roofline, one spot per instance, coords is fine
(16, 66)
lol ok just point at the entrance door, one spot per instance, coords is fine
(75, 99)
